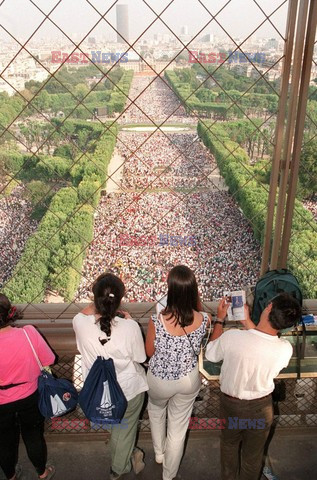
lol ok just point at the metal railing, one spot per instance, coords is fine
(297, 407)
(54, 320)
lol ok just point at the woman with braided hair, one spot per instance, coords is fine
(102, 329)
(19, 411)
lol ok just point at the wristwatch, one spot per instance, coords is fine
(219, 321)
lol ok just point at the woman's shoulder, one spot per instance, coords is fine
(206, 317)
(87, 311)
(30, 329)
(206, 321)
(127, 324)
(81, 317)
(201, 323)
(158, 318)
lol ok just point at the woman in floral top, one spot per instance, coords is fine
(173, 343)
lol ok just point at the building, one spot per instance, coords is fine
(122, 23)
(184, 30)
(91, 41)
(20, 71)
(272, 44)
(207, 38)
(245, 69)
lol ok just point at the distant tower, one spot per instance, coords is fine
(122, 23)
(184, 30)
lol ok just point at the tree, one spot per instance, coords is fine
(80, 91)
(37, 193)
(42, 101)
(308, 170)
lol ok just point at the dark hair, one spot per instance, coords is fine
(108, 291)
(8, 313)
(286, 311)
(182, 295)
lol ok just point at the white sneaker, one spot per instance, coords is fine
(137, 460)
(159, 458)
(267, 472)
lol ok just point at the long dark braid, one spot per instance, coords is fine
(108, 291)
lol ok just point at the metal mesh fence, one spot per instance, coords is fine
(184, 179)
(161, 184)
(297, 405)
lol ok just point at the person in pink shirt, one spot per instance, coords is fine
(19, 411)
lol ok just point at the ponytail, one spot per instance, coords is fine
(108, 291)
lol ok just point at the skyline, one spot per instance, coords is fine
(77, 22)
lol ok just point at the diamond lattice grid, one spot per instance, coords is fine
(80, 192)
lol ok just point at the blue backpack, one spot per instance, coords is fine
(101, 398)
(57, 396)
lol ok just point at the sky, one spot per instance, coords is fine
(77, 17)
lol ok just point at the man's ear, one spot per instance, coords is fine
(269, 307)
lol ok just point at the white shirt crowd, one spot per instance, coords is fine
(311, 205)
(15, 228)
(157, 103)
(182, 202)
(170, 187)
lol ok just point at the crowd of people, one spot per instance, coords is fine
(180, 162)
(180, 200)
(153, 100)
(170, 187)
(16, 226)
(311, 205)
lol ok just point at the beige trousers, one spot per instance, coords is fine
(173, 399)
(123, 436)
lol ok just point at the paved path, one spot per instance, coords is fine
(115, 171)
(293, 457)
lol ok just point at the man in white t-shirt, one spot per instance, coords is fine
(252, 358)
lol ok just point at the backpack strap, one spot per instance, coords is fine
(189, 341)
(33, 350)
(300, 347)
(298, 354)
